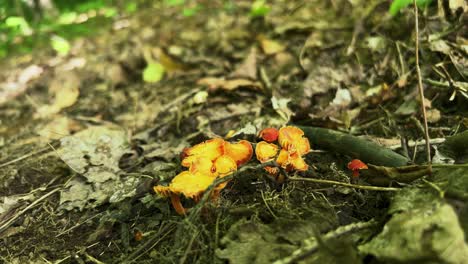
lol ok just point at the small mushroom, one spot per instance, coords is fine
(211, 149)
(241, 152)
(191, 185)
(269, 134)
(265, 151)
(291, 161)
(292, 139)
(356, 165)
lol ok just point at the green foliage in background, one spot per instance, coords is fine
(153, 72)
(259, 8)
(26, 24)
(397, 5)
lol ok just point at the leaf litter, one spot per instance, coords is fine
(121, 109)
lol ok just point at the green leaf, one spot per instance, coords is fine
(174, 2)
(131, 7)
(153, 72)
(190, 11)
(397, 5)
(60, 45)
(20, 23)
(110, 12)
(259, 8)
(67, 18)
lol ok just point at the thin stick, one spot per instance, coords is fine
(362, 187)
(312, 244)
(17, 215)
(420, 85)
(23, 157)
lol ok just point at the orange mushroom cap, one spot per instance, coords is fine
(265, 151)
(211, 149)
(291, 161)
(297, 162)
(203, 165)
(224, 165)
(191, 185)
(241, 152)
(355, 165)
(269, 134)
(292, 139)
(272, 170)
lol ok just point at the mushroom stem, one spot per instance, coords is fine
(215, 195)
(175, 200)
(355, 173)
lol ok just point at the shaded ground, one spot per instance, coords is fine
(88, 198)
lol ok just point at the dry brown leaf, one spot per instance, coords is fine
(59, 127)
(65, 89)
(248, 68)
(269, 46)
(169, 64)
(433, 115)
(228, 85)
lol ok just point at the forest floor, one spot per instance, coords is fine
(85, 136)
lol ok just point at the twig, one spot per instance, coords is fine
(162, 233)
(420, 85)
(267, 206)
(11, 220)
(23, 157)
(362, 187)
(312, 244)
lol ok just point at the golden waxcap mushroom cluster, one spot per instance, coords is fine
(206, 162)
(293, 145)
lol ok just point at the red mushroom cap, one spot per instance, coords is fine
(355, 165)
(269, 134)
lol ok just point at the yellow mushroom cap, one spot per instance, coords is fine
(297, 162)
(265, 151)
(224, 165)
(283, 158)
(241, 152)
(210, 149)
(203, 165)
(292, 139)
(190, 184)
(291, 161)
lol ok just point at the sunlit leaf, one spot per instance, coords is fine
(110, 12)
(154, 72)
(20, 23)
(259, 8)
(397, 5)
(60, 45)
(67, 18)
(131, 7)
(190, 11)
(174, 2)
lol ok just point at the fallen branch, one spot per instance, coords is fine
(367, 151)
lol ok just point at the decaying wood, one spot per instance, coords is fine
(356, 148)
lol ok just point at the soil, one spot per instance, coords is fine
(342, 65)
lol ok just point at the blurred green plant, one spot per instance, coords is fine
(154, 72)
(397, 5)
(27, 24)
(259, 8)
(60, 45)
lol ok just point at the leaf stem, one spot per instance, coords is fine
(420, 84)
